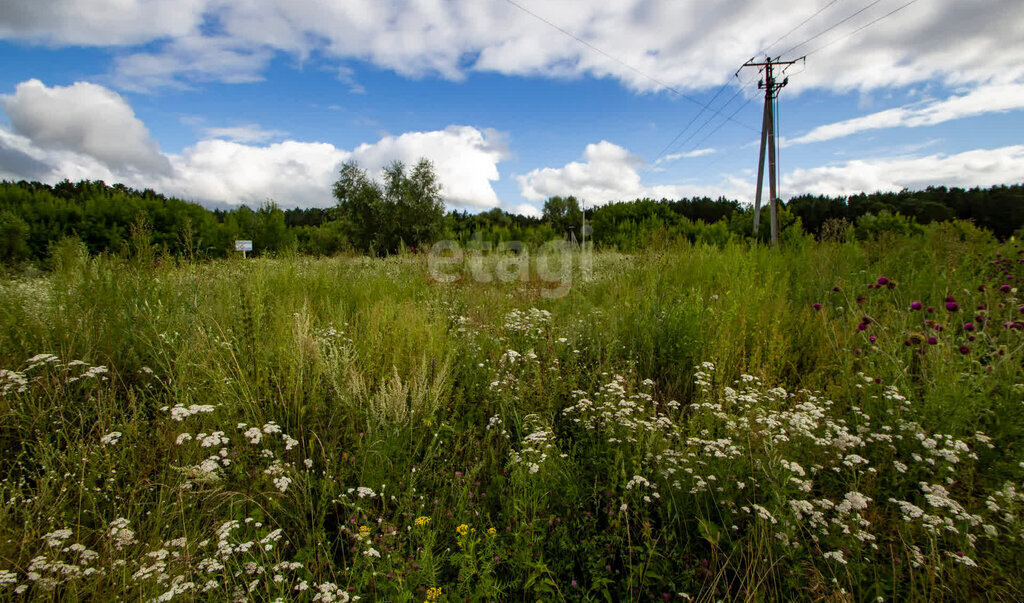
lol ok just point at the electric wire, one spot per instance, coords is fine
(826, 30)
(802, 23)
(724, 85)
(617, 60)
(862, 27)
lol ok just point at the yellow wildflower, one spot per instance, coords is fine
(364, 531)
(433, 593)
(463, 529)
(491, 531)
(422, 521)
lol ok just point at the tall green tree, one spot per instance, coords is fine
(14, 233)
(563, 213)
(380, 217)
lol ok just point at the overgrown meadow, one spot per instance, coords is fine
(825, 421)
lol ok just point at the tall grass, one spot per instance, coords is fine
(683, 424)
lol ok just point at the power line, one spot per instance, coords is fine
(835, 25)
(694, 119)
(617, 60)
(865, 26)
(743, 86)
(724, 85)
(802, 23)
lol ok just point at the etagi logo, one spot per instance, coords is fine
(552, 265)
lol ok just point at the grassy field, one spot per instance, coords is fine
(838, 422)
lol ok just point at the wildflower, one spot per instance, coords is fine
(422, 521)
(836, 289)
(364, 531)
(433, 593)
(1004, 288)
(952, 306)
(372, 552)
(915, 305)
(816, 306)
(491, 531)
(969, 326)
(837, 555)
(111, 438)
(932, 341)
(856, 352)
(872, 339)
(462, 529)
(254, 434)
(883, 280)
(965, 350)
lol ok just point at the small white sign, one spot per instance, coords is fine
(243, 245)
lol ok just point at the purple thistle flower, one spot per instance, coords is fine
(836, 289)
(930, 309)
(965, 350)
(950, 298)
(952, 306)
(1004, 288)
(856, 352)
(968, 326)
(862, 327)
(883, 281)
(872, 339)
(816, 306)
(915, 305)
(932, 341)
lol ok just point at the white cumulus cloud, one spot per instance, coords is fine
(979, 167)
(985, 99)
(84, 118)
(465, 160)
(527, 209)
(609, 173)
(689, 44)
(86, 131)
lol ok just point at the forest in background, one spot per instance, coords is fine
(104, 217)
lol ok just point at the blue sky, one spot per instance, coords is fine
(513, 101)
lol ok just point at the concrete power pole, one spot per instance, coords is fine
(771, 89)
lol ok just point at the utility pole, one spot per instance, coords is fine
(771, 89)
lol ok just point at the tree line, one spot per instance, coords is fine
(404, 211)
